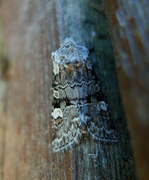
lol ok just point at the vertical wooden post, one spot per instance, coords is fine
(34, 29)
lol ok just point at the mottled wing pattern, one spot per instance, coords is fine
(79, 107)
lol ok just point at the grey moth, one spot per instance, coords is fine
(79, 107)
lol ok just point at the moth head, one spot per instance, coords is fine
(70, 53)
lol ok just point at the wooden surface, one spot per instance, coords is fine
(4, 64)
(128, 21)
(34, 29)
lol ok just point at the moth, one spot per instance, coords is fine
(79, 107)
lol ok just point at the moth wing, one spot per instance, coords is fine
(98, 123)
(96, 116)
(68, 134)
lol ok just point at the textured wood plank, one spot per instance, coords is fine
(128, 21)
(4, 64)
(33, 30)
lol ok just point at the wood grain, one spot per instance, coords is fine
(128, 21)
(34, 29)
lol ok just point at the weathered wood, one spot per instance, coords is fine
(3, 89)
(33, 30)
(128, 21)
(4, 64)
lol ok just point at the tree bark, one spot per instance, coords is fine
(34, 29)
